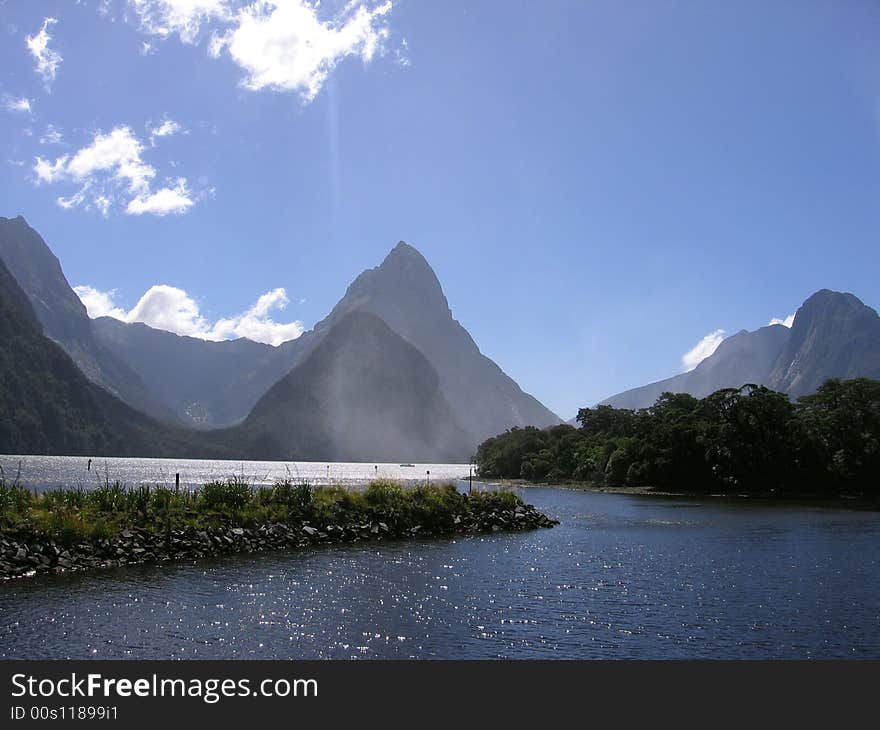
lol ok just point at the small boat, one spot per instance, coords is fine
(408, 465)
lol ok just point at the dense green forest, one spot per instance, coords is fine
(745, 440)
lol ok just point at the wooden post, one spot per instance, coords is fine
(177, 481)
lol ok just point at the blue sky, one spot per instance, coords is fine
(598, 185)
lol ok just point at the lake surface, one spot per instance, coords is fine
(47, 472)
(622, 576)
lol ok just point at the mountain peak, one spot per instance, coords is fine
(405, 255)
(403, 284)
(834, 334)
(825, 306)
(406, 294)
(829, 297)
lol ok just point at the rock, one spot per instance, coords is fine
(310, 531)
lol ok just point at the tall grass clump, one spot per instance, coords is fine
(234, 494)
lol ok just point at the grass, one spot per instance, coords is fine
(74, 515)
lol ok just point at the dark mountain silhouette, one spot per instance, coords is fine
(64, 319)
(47, 406)
(834, 335)
(362, 394)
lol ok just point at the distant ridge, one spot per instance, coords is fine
(833, 335)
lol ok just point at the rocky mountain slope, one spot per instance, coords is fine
(64, 319)
(362, 394)
(834, 335)
(47, 405)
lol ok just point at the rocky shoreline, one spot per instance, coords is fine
(26, 553)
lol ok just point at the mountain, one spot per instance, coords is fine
(64, 319)
(217, 383)
(834, 335)
(362, 394)
(746, 357)
(206, 384)
(405, 292)
(47, 406)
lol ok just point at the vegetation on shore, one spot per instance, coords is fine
(113, 525)
(734, 441)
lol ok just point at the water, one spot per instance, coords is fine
(622, 576)
(46, 472)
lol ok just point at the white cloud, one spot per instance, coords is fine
(178, 199)
(174, 310)
(183, 17)
(401, 54)
(702, 350)
(16, 104)
(48, 172)
(283, 45)
(52, 135)
(112, 170)
(167, 128)
(787, 322)
(99, 303)
(169, 308)
(48, 60)
(257, 324)
(117, 154)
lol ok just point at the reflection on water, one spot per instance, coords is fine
(44, 472)
(621, 576)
